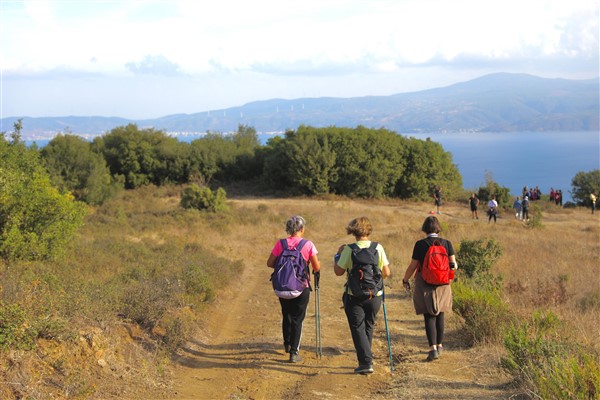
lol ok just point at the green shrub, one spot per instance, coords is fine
(535, 219)
(203, 198)
(15, 330)
(476, 257)
(485, 315)
(75, 168)
(36, 221)
(196, 282)
(550, 365)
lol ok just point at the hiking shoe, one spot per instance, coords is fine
(440, 349)
(295, 358)
(433, 355)
(364, 369)
(287, 347)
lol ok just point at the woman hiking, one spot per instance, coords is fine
(431, 301)
(362, 304)
(293, 309)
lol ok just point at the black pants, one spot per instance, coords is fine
(434, 328)
(361, 316)
(293, 312)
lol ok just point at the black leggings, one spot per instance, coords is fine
(293, 312)
(434, 328)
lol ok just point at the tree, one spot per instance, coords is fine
(74, 168)
(492, 187)
(583, 184)
(36, 220)
(428, 166)
(310, 161)
(227, 157)
(144, 156)
(361, 162)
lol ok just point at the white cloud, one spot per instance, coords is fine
(330, 48)
(240, 34)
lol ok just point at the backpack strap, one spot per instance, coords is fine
(284, 244)
(301, 244)
(299, 247)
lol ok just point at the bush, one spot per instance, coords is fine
(146, 301)
(196, 282)
(553, 367)
(476, 257)
(36, 221)
(15, 332)
(203, 198)
(75, 168)
(477, 298)
(535, 221)
(484, 313)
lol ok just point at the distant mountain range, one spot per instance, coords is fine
(493, 103)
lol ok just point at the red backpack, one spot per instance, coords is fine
(436, 265)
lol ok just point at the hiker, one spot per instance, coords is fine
(431, 301)
(493, 208)
(517, 208)
(437, 197)
(362, 311)
(593, 201)
(558, 198)
(473, 203)
(525, 208)
(293, 310)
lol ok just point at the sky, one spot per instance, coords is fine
(147, 59)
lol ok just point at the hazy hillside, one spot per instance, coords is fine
(497, 102)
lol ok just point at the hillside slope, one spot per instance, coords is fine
(497, 102)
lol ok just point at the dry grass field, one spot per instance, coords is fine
(143, 238)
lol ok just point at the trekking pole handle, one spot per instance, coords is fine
(317, 278)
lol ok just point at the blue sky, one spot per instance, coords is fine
(147, 59)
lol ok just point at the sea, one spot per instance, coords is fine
(517, 159)
(512, 159)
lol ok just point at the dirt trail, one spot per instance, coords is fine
(239, 354)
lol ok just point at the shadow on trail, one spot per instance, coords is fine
(257, 355)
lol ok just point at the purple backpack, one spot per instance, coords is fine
(290, 276)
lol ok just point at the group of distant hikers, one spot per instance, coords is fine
(365, 265)
(520, 205)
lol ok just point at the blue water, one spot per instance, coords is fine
(517, 159)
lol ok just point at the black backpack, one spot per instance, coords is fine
(364, 278)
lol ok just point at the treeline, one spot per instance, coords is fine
(42, 191)
(358, 162)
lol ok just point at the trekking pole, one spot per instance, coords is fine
(387, 332)
(318, 344)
